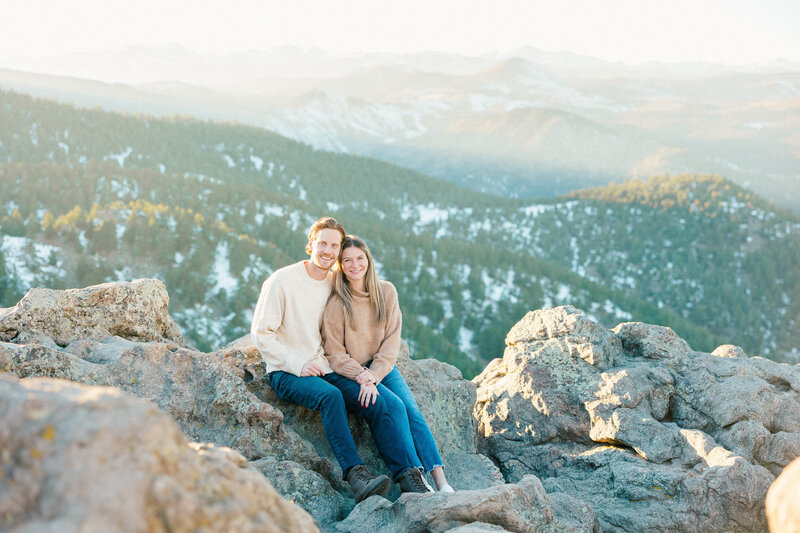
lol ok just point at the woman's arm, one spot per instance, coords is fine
(386, 357)
(333, 321)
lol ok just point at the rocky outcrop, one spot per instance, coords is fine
(577, 428)
(80, 458)
(206, 397)
(135, 310)
(653, 435)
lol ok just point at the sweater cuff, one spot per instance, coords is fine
(379, 370)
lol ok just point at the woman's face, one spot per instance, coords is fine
(354, 264)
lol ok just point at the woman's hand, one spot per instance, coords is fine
(368, 395)
(366, 378)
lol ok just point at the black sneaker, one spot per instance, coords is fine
(363, 484)
(412, 480)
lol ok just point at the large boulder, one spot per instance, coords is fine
(207, 398)
(653, 435)
(135, 310)
(81, 458)
(783, 501)
(522, 507)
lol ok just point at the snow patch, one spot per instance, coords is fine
(221, 271)
(564, 295)
(31, 261)
(120, 157)
(465, 339)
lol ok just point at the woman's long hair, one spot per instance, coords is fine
(342, 286)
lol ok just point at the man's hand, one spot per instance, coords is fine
(365, 378)
(310, 369)
(367, 395)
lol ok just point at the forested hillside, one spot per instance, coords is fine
(211, 209)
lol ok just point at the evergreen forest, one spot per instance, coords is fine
(212, 209)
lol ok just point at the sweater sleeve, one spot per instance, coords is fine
(267, 318)
(386, 357)
(333, 323)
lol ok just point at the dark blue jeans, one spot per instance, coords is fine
(317, 394)
(420, 432)
(387, 421)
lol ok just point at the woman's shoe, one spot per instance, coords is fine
(412, 481)
(446, 488)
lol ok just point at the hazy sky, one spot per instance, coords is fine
(730, 31)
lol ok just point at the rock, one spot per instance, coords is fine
(306, 489)
(571, 514)
(783, 501)
(135, 310)
(628, 429)
(80, 458)
(206, 397)
(514, 507)
(650, 434)
(477, 527)
(729, 350)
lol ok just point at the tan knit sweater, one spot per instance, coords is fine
(349, 349)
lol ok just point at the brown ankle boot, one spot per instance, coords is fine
(363, 484)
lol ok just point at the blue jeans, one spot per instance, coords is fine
(387, 421)
(316, 393)
(420, 432)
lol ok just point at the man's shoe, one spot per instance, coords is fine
(363, 484)
(412, 481)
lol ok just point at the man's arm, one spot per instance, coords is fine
(267, 318)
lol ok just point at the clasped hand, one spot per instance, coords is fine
(365, 377)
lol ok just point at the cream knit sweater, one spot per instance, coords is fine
(348, 349)
(287, 319)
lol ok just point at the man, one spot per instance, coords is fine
(286, 330)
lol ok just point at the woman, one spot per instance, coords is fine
(361, 333)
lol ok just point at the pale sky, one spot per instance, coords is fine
(727, 31)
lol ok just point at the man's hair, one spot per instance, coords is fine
(321, 224)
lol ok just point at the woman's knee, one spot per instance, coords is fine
(412, 411)
(392, 404)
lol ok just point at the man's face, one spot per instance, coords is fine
(325, 248)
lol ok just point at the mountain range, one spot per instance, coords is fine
(527, 123)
